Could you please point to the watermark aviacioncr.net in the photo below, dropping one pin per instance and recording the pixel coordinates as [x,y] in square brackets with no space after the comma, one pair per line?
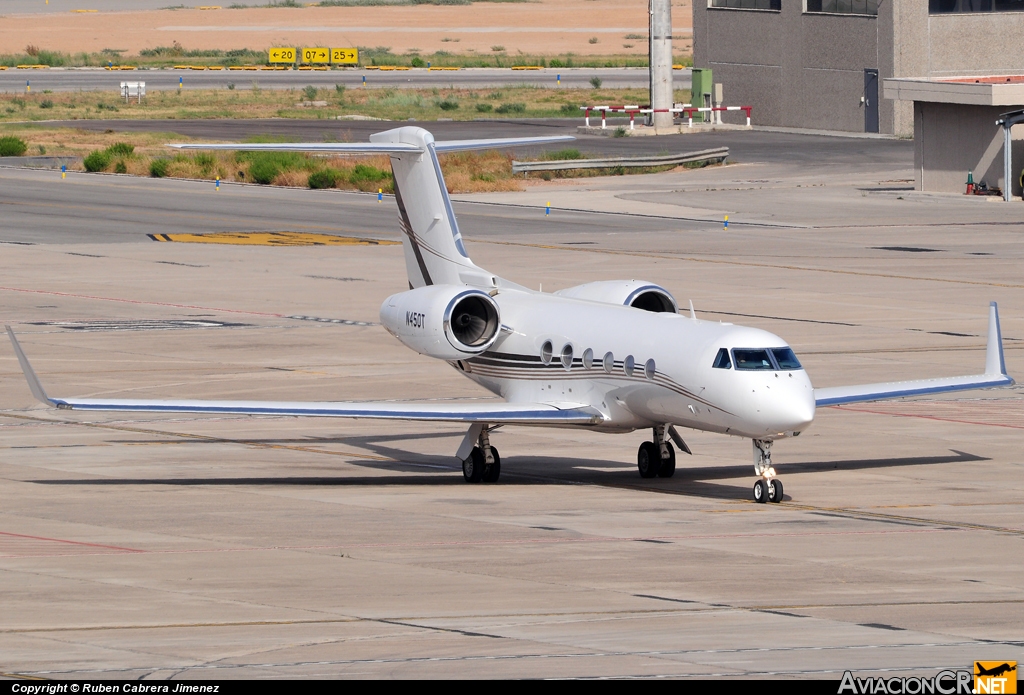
[988,678]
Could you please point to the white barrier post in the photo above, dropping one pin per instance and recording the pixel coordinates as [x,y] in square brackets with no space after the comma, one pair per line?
[604,115]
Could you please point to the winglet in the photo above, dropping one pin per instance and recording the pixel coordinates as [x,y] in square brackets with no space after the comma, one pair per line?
[30,374]
[994,361]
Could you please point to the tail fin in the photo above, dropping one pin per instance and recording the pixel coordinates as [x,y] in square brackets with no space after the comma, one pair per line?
[434,252]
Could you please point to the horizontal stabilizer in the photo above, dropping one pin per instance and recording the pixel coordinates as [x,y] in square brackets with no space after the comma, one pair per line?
[373,147]
[995,375]
[498,143]
[322,147]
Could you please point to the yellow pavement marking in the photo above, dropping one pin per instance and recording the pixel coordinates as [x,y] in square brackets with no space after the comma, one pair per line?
[273,239]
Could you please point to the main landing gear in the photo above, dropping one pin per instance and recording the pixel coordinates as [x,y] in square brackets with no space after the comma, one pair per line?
[768,488]
[657,458]
[483,463]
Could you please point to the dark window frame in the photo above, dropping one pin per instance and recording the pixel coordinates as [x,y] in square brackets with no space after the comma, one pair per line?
[820,7]
[970,7]
[774,5]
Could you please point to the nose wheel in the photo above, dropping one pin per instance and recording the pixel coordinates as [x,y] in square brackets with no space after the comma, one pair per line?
[768,488]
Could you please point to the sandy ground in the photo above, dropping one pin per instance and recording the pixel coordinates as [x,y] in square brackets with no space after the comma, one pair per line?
[546,27]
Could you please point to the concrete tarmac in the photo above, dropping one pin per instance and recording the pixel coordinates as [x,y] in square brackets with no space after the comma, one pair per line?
[160,79]
[152,546]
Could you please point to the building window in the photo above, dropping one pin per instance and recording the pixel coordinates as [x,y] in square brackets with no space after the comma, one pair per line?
[964,6]
[868,7]
[746,4]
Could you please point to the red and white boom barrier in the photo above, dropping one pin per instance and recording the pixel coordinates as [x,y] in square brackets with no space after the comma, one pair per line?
[687,111]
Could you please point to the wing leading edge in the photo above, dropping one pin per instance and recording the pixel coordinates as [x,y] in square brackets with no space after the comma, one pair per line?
[995,375]
[492,413]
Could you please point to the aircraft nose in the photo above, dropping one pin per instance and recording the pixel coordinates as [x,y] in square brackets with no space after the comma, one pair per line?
[801,410]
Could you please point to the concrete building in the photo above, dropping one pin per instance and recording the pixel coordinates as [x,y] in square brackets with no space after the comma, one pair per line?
[819,63]
[955,130]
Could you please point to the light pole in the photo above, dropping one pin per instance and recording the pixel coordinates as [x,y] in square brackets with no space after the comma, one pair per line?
[660,61]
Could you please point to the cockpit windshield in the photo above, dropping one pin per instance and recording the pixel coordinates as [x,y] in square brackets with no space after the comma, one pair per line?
[758,359]
[752,359]
[785,358]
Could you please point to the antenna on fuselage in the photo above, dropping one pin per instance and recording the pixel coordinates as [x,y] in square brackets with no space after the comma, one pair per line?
[693,314]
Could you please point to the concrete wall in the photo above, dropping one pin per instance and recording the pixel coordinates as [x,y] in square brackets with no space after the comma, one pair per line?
[807,70]
[952,139]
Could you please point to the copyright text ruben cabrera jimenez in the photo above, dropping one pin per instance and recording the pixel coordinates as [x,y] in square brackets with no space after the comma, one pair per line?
[110,689]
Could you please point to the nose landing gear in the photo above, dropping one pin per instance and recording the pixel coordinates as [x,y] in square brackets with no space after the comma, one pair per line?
[768,488]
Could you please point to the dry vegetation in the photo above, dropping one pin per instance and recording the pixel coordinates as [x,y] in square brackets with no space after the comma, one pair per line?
[247,100]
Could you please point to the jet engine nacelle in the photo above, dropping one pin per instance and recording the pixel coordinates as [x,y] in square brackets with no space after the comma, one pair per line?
[634,293]
[448,322]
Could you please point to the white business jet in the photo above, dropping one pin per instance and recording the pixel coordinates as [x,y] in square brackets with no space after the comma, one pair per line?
[613,356]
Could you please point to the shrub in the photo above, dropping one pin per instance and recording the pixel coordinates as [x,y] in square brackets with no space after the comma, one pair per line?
[97,160]
[121,149]
[158,168]
[11,146]
[309,92]
[620,132]
[264,171]
[516,107]
[231,85]
[417,62]
[46,104]
[340,89]
[367,173]
[205,161]
[592,40]
[570,108]
[448,104]
[595,82]
[484,108]
[121,167]
[325,178]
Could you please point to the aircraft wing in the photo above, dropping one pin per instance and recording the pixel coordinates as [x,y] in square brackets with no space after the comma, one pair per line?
[995,375]
[489,412]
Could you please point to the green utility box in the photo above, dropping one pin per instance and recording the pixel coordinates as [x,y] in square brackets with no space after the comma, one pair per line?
[700,92]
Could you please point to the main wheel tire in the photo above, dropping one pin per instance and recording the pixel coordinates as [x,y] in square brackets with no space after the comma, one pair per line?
[668,466]
[760,492]
[493,471]
[775,490]
[473,467]
[648,460]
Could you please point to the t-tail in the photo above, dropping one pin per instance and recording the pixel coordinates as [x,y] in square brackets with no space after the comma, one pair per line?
[434,251]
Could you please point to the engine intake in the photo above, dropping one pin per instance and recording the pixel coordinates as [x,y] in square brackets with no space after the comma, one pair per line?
[444,321]
[638,294]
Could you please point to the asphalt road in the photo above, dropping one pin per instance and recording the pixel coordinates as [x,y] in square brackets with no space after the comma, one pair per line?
[113,209]
[744,146]
[90,79]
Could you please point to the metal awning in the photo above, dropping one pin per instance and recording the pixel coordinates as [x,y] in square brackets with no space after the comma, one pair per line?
[1008,120]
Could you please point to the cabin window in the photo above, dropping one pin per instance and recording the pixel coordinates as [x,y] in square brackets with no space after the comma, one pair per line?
[588,358]
[628,364]
[722,360]
[608,362]
[650,369]
[752,359]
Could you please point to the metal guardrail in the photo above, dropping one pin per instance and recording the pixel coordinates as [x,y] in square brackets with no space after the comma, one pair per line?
[717,154]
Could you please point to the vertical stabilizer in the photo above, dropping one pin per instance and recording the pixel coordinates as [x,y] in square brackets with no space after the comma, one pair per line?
[434,252]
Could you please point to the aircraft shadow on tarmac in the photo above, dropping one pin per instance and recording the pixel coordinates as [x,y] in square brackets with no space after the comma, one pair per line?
[698,481]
